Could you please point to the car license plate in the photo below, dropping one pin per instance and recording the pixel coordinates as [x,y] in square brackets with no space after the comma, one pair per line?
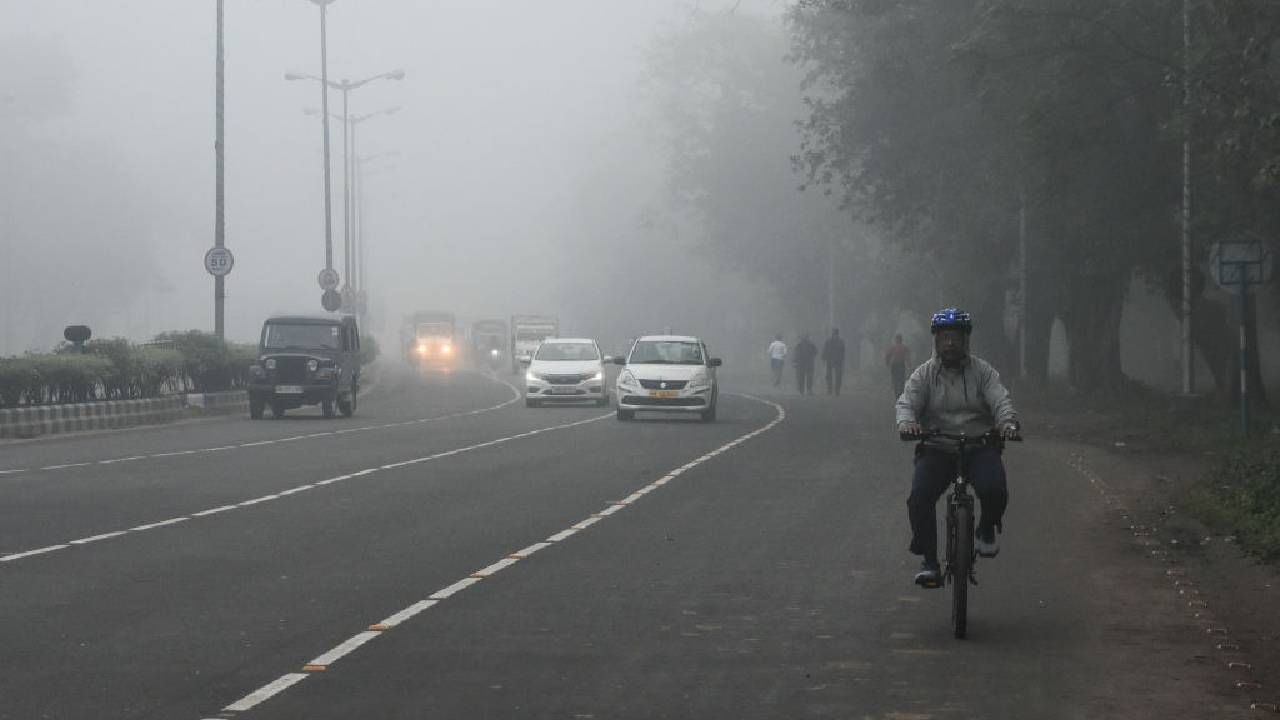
[288,389]
[663,393]
[563,390]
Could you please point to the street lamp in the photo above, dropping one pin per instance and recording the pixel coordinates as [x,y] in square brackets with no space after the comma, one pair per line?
[346,86]
[360,163]
[349,190]
[324,104]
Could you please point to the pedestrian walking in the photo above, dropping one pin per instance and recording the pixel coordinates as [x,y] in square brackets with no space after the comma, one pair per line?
[777,358]
[805,356]
[897,357]
[833,357]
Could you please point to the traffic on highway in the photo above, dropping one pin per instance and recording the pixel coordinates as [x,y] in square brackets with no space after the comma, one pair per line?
[663,359]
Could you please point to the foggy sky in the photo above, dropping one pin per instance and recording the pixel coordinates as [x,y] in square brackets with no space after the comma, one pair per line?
[514,114]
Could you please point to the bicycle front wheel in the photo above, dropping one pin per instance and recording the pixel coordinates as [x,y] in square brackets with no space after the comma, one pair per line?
[962,567]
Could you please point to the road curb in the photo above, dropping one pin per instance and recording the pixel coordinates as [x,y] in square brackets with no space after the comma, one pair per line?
[29,422]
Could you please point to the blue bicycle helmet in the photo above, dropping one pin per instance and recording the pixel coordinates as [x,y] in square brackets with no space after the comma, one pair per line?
[951,318]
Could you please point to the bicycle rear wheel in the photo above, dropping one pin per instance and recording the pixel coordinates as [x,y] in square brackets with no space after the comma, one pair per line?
[961,568]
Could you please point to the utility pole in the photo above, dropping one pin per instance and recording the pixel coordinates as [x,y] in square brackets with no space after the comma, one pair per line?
[220,194]
[324,117]
[1022,283]
[1188,356]
[346,182]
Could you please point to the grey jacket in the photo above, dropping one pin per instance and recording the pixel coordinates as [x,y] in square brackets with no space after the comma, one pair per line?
[971,400]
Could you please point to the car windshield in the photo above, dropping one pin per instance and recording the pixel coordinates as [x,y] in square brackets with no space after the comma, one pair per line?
[434,329]
[280,336]
[666,352]
[567,351]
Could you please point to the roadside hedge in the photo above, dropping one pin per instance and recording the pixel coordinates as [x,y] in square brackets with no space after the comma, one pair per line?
[115,369]
[1242,496]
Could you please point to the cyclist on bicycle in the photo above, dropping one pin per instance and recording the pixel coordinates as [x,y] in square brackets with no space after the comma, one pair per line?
[955,392]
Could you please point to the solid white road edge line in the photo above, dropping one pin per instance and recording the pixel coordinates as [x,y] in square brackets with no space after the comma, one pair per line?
[404,615]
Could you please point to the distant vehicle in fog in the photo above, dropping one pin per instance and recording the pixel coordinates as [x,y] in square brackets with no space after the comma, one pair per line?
[429,339]
[669,373]
[527,333]
[489,343]
[566,370]
[304,360]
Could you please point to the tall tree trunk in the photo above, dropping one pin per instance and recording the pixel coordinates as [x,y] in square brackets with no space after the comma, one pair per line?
[1092,322]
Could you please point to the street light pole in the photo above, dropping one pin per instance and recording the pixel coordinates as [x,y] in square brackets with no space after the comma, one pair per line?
[219,202]
[353,224]
[1188,356]
[346,181]
[346,86]
[324,116]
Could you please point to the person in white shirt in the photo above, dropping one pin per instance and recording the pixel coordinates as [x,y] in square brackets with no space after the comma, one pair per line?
[777,358]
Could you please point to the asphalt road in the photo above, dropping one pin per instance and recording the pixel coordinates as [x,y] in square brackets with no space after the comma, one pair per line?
[449,553]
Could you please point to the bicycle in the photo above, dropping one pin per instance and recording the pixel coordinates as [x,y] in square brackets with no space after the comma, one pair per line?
[961,553]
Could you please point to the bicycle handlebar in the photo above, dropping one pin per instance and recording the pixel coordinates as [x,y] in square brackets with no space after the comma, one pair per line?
[939,435]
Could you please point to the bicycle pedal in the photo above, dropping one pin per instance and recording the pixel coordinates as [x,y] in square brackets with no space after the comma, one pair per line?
[930,584]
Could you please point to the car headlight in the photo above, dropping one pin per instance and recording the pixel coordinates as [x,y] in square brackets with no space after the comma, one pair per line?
[627,378]
[699,379]
[597,377]
[493,353]
[532,377]
[313,365]
[270,364]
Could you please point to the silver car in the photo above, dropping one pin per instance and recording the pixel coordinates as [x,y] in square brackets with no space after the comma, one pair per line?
[668,373]
[565,370]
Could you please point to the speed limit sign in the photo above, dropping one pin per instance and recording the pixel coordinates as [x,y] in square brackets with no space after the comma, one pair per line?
[328,279]
[218,261]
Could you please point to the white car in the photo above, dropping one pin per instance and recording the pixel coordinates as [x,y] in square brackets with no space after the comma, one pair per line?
[668,373]
[565,370]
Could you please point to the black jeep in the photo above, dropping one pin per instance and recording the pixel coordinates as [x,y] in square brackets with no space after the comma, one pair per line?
[305,360]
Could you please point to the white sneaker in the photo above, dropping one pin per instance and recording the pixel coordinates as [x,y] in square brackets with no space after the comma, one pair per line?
[986,543]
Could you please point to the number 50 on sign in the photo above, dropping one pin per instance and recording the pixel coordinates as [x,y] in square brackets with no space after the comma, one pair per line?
[218,261]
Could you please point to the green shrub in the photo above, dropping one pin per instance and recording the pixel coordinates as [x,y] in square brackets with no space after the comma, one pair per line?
[1243,496]
[158,371]
[205,360]
[19,381]
[118,383]
[70,378]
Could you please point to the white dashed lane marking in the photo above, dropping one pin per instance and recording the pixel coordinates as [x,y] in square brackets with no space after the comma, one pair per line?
[323,662]
[515,395]
[285,493]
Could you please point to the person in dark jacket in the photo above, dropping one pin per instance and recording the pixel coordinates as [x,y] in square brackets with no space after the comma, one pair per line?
[833,357]
[806,353]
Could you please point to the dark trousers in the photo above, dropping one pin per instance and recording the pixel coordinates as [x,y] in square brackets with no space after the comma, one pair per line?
[804,379]
[776,366]
[898,376]
[934,472]
[835,378]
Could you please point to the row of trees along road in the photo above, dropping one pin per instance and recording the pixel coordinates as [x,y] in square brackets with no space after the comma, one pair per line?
[939,120]
[932,127]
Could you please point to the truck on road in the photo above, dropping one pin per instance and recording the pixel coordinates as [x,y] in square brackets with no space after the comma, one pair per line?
[527,333]
[429,339]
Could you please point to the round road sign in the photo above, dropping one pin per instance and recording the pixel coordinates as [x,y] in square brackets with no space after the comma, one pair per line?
[331,300]
[328,279]
[218,261]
